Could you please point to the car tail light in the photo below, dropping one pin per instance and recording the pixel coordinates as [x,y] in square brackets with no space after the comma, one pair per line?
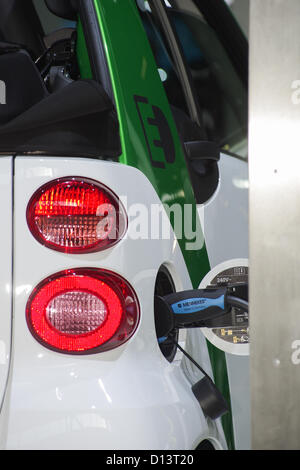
[76,215]
[83,311]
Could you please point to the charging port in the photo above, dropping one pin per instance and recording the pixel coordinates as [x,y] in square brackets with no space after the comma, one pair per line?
[164,286]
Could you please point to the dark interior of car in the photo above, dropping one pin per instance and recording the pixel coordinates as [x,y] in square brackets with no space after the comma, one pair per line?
[50,109]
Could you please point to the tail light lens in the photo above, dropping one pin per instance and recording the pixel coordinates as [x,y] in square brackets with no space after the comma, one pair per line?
[83,311]
[76,215]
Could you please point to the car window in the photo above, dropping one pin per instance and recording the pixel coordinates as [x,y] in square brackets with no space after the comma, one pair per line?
[49,21]
[221,94]
[163,57]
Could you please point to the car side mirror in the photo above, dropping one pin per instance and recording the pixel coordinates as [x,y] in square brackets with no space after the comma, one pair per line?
[201,150]
[202,158]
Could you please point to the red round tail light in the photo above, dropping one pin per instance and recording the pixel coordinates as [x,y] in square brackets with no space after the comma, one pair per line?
[76,215]
[83,311]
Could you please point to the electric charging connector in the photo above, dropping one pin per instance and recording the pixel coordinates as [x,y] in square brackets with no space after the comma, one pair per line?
[195,308]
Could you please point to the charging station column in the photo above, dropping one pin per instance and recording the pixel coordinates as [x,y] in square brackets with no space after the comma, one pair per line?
[275,223]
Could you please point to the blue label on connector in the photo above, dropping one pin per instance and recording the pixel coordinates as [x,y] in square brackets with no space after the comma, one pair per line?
[162,339]
[197,304]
